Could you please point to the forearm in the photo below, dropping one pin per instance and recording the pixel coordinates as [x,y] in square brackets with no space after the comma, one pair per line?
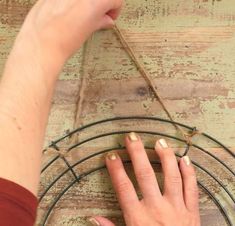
[51,33]
[26,90]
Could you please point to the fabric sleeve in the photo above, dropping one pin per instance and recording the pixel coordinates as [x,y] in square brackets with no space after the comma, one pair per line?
[18,206]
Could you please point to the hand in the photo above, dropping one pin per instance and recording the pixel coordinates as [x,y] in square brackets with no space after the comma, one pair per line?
[62,26]
[177,206]
[52,31]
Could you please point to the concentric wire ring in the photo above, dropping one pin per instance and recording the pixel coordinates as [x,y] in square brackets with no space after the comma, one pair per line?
[56,146]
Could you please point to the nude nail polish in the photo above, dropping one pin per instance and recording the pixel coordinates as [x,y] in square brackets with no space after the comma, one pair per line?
[187,160]
[132,136]
[112,156]
[93,222]
[163,143]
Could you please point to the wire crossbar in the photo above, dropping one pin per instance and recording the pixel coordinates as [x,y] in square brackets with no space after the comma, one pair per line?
[77,178]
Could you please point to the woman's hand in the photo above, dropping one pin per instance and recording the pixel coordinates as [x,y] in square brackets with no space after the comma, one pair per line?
[52,31]
[61,26]
[177,206]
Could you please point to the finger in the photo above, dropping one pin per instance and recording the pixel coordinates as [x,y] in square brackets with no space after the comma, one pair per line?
[172,177]
[189,184]
[115,12]
[112,12]
[124,188]
[111,7]
[115,9]
[143,170]
[106,23]
[100,221]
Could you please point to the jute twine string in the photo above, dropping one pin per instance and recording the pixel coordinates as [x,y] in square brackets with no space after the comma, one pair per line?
[187,136]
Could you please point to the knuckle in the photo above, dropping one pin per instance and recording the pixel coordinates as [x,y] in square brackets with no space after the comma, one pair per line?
[99,3]
[193,191]
[145,173]
[174,179]
[191,177]
[123,186]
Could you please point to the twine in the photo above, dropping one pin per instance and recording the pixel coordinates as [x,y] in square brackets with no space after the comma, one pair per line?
[140,66]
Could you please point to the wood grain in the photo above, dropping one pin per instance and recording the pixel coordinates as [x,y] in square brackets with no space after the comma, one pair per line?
[188,46]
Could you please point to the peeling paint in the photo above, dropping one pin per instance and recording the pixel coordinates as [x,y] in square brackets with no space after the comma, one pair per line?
[187,46]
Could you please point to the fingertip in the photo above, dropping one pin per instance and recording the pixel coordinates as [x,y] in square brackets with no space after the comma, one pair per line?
[112,160]
[132,140]
[163,150]
[186,165]
[186,160]
[112,156]
[161,144]
[132,137]
[93,221]
[100,221]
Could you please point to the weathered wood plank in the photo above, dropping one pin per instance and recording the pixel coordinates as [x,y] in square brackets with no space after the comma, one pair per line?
[188,46]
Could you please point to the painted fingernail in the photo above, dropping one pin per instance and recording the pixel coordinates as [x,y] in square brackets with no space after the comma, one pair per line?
[93,222]
[112,156]
[163,143]
[187,160]
[132,136]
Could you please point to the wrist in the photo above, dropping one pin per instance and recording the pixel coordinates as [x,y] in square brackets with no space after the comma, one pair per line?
[52,38]
[31,59]
[31,48]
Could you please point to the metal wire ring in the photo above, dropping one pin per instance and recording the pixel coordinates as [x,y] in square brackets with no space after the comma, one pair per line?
[55,144]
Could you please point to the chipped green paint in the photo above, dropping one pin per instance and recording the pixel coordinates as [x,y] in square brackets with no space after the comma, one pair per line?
[187,46]
[174,15]
[73,67]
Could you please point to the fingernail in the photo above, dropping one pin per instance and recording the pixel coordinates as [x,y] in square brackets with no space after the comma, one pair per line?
[163,143]
[93,221]
[112,156]
[132,136]
[187,160]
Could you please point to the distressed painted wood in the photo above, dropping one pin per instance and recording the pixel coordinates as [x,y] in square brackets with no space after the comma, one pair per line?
[188,46]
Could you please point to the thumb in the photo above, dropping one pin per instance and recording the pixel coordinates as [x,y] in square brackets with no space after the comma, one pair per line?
[100,221]
[106,22]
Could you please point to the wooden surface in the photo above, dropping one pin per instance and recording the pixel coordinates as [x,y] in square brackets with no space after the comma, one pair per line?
[188,46]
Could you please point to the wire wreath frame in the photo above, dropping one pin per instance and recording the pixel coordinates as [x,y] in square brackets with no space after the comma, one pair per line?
[187,134]
[62,153]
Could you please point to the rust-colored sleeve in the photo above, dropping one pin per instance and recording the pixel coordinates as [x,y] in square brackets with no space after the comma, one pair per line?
[18,206]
